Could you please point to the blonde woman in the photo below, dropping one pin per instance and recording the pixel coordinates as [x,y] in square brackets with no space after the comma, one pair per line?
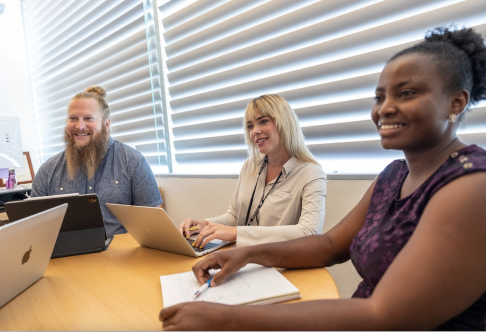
[281,187]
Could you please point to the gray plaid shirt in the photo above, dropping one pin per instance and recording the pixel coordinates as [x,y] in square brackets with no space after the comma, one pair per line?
[123,177]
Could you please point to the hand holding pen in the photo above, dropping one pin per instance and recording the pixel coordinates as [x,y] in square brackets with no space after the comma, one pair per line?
[203,288]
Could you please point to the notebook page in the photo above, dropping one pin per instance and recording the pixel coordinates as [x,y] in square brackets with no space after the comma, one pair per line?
[252,284]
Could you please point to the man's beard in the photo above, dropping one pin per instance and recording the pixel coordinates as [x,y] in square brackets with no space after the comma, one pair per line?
[88,157]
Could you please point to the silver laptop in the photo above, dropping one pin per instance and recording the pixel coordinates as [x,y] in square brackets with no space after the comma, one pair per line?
[151,227]
[26,246]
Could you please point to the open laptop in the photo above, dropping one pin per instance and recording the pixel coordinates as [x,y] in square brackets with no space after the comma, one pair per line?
[152,227]
[26,247]
[83,229]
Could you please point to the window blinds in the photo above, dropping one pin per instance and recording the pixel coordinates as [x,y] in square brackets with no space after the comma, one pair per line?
[324,57]
[76,44]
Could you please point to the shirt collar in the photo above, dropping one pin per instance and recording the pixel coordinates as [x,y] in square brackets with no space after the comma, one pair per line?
[111,141]
[289,166]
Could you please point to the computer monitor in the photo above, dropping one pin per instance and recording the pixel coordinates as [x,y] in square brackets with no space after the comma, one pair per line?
[11,154]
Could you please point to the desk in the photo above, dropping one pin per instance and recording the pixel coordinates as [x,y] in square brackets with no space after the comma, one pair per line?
[24,188]
[118,289]
[7,195]
[19,188]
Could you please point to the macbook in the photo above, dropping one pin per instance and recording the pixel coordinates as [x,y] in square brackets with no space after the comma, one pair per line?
[26,246]
[83,229]
[152,227]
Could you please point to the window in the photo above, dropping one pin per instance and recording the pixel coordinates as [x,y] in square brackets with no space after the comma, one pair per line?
[324,57]
[73,44]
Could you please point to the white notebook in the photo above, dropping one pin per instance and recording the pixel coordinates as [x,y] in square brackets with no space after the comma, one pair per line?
[253,284]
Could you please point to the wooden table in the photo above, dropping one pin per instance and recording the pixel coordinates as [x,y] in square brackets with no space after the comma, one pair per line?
[118,289]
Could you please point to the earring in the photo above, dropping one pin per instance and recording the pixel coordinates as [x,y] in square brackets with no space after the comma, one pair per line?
[452,118]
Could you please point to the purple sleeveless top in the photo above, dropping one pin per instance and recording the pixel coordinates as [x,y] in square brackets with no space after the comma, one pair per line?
[390,222]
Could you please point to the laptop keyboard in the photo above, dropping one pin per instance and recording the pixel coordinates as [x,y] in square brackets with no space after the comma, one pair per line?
[206,247]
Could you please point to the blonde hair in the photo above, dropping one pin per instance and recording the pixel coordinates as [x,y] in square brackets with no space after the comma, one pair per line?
[98,93]
[287,125]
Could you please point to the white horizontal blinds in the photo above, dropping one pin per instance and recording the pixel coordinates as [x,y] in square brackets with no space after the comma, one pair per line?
[324,57]
[76,44]
[162,151]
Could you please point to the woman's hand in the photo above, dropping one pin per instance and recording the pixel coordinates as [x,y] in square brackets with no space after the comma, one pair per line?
[215,231]
[229,261]
[184,227]
[196,316]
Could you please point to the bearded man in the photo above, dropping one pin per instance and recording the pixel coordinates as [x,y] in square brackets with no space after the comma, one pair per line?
[94,163]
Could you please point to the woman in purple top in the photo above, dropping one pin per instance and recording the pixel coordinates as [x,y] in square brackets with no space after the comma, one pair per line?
[417,237]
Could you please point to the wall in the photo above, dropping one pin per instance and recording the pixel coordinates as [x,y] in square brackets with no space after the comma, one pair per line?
[201,198]
[15,89]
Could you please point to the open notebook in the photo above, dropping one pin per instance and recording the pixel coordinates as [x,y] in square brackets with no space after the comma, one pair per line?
[253,284]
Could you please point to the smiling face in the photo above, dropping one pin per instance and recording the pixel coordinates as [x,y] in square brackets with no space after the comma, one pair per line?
[412,106]
[264,134]
[85,120]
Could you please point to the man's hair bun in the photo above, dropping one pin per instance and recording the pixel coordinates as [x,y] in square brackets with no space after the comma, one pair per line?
[98,90]
[98,93]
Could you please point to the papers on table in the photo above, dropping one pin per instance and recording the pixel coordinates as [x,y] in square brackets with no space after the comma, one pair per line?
[253,284]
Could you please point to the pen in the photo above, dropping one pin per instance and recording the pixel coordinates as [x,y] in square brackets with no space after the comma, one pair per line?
[203,288]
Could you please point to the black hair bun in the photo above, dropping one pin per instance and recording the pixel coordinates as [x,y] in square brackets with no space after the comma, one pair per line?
[472,44]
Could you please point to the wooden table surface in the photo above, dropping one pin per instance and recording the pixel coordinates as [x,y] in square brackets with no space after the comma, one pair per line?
[118,289]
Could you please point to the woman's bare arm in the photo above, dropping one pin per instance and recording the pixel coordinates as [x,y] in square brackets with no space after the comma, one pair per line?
[438,274]
[310,251]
